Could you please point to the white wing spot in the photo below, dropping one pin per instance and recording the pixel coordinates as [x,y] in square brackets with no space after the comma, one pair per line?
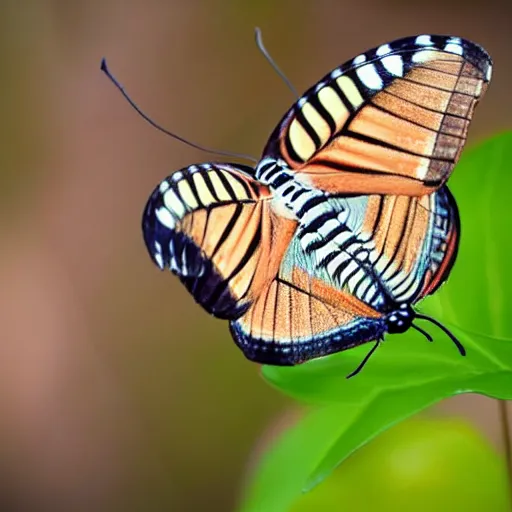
[319,86]
[369,76]
[454,48]
[164,186]
[159,260]
[174,203]
[336,73]
[359,59]
[165,218]
[394,65]
[383,50]
[424,40]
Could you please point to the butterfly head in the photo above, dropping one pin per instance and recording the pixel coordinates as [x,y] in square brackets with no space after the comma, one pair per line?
[400,319]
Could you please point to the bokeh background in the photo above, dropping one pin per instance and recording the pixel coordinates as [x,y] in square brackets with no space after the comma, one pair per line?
[116,391]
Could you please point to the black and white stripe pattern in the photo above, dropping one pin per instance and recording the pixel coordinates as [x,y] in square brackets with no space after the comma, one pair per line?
[378,67]
[442,226]
[332,246]
[298,198]
[187,190]
[340,251]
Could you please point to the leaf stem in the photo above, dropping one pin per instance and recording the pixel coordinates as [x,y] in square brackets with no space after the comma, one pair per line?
[505,430]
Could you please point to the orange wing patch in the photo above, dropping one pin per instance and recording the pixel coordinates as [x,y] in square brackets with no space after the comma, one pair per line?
[414,130]
[303,308]
[245,242]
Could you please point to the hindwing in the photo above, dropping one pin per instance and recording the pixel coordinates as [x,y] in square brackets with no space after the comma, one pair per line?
[346,272]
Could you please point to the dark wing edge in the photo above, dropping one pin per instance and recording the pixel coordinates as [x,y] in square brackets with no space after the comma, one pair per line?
[300,317]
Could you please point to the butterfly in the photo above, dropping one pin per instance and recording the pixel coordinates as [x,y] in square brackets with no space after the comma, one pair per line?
[345,222]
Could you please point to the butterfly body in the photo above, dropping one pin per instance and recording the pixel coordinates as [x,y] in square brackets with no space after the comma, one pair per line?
[346,221]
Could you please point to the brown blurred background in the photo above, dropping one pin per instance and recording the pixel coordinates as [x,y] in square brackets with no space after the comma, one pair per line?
[116,391]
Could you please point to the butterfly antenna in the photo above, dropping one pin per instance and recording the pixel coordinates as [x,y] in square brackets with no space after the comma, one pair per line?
[425,333]
[270,60]
[458,344]
[365,360]
[144,116]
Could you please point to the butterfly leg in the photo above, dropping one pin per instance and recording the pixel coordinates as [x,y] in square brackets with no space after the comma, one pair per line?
[367,357]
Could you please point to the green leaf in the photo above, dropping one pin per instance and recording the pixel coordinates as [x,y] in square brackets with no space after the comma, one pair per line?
[407,374]
[422,464]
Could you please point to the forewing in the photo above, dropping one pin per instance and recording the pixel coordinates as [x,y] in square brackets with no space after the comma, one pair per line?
[391,121]
[213,226]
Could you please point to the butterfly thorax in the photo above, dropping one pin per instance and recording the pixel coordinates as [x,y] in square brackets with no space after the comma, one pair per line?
[289,192]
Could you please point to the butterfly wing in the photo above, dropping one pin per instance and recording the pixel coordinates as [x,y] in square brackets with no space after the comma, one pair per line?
[412,245]
[391,121]
[345,271]
[302,315]
[445,242]
[214,227]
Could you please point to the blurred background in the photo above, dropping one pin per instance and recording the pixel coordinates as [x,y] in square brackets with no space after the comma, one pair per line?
[117,392]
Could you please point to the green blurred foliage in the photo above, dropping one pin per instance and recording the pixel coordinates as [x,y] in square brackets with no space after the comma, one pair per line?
[422,464]
[444,465]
